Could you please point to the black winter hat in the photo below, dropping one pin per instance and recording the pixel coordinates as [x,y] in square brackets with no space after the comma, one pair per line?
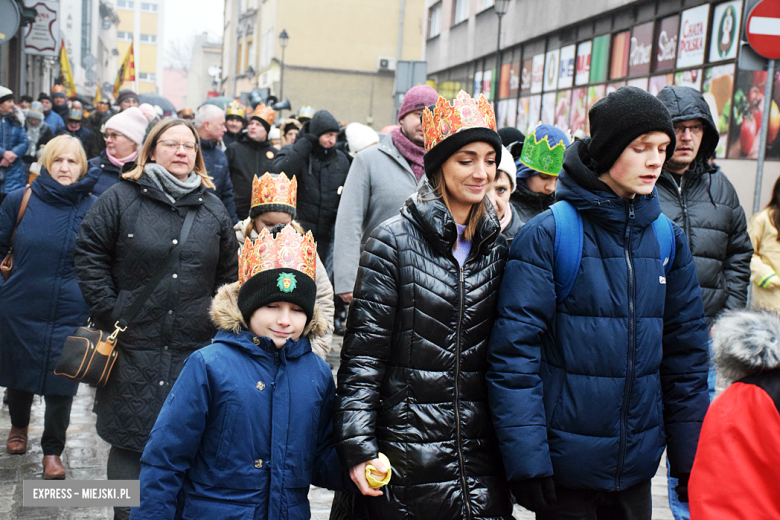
[436,156]
[267,208]
[44,95]
[322,123]
[621,117]
[510,134]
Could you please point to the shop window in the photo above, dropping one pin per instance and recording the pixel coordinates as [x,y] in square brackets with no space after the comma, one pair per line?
[460,11]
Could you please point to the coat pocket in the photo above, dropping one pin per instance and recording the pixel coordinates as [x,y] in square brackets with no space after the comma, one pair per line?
[395,399]
[196,508]
[226,438]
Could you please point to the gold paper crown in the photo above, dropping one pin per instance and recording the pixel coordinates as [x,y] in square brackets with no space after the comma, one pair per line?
[265,113]
[58,89]
[234,108]
[306,111]
[274,189]
[446,120]
[289,250]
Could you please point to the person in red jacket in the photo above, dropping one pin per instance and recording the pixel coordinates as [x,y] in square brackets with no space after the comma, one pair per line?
[737,467]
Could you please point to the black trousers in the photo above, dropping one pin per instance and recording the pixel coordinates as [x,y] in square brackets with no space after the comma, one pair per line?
[55,422]
[123,465]
[634,503]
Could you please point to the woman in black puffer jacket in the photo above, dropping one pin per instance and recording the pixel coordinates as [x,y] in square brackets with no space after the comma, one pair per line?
[123,239]
[412,378]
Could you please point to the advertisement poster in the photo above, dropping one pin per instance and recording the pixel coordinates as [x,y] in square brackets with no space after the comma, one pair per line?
[566,70]
[599,59]
[641,49]
[551,70]
[503,85]
[477,84]
[621,44]
[563,109]
[595,93]
[717,88]
[41,36]
[657,83]
[525,76]
[528,112]
[612,87]
[666,43]
[549,101]
[746,109]
[514,79]
[501,113]
[688,78]
[638,83]
[693,36]
[487,84]
[724,40]
[510,114]
[537,74]
[522,114]
[579,112]
[582,75]
[773,137]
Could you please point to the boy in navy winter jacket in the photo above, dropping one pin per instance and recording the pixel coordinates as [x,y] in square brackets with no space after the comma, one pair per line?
[247,427]
[587,392]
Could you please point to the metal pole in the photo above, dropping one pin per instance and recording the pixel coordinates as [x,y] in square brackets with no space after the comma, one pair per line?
[281,80]
[238,55]
[770,76]
[497,77]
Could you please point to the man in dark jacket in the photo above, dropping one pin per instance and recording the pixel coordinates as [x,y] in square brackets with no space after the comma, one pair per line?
[60,101]
[251,155]
[321,171]
[235,120]
[74,128]
[210,123]
[52,118]
[702,201]
[587,390]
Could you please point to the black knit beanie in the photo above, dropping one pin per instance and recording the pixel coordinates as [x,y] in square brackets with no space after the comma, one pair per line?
[254,211]
[263,122]
[322,123]
[436,156]
[621,117]
[510,134]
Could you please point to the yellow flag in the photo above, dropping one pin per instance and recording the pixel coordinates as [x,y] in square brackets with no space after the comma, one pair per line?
[126,70]
[98,97]
[67,73]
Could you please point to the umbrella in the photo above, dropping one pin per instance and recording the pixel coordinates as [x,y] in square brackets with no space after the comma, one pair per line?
[221,102]
[156,99]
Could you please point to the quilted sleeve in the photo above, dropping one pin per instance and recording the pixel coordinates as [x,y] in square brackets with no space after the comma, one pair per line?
[526,305]
[366,349]
[349,224]
[736,266]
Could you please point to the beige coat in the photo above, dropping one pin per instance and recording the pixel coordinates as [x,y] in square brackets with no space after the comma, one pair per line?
[765,264]
[320,343]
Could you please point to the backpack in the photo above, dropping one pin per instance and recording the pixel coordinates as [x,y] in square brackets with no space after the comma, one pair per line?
[568,246]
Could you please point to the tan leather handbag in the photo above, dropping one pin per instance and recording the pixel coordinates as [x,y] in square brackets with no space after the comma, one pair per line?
[7,265]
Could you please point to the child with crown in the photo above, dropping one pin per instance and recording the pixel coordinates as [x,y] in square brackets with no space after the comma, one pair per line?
[247,426]
[274,201]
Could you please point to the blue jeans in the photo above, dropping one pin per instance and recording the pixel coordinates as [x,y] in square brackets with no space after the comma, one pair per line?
[680,509]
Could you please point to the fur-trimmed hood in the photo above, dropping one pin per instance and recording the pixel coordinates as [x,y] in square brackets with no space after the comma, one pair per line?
[226,315]
[746,342]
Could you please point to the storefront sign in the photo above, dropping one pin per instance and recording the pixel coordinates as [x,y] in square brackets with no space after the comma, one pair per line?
[693,36]
[551,70]
[666,43]
[724,41]
[566,69]
[621,43]
[40,37]
[641,49]
[583,63]
[599,59]
[537,74]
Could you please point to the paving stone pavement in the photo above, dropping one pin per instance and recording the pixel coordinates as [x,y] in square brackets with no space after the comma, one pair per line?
[86,454]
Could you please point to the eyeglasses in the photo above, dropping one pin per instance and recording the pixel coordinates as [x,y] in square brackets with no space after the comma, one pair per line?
[173,146]
[112,135]
[696,129]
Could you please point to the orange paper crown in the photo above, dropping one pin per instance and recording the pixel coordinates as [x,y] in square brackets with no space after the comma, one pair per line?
[58,89]
[289,250]
[265,113]
[446,120]
[274,189]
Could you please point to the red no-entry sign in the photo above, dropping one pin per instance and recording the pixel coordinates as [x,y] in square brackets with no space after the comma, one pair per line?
[763,29]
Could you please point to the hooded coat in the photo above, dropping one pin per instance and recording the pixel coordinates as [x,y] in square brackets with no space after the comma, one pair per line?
[737,467]
[123,239]
[529,203]
[412,378]
[41,303]
[247,158]
[707,208]
[224,436]
[13,137]
[591,390]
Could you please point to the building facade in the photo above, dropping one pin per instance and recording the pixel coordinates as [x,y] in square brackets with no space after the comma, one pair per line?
[141,23]
[558,57]
[340,56]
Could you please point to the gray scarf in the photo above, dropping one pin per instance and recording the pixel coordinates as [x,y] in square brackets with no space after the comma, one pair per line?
[173,188]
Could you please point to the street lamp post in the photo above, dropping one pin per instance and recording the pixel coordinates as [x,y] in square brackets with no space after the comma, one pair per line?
[284,38]
[500,7]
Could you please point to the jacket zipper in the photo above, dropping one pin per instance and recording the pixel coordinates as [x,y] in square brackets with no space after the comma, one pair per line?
[631,346]
[457,400]
[684,206]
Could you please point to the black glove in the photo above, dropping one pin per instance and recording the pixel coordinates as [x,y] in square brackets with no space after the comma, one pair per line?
[682,486]
[313,139]
[534,494]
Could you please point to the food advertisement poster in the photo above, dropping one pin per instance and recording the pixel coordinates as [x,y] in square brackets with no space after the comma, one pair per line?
[525,75]
[549,101]
[612,87]
[510,114]
[693,36]
[503,85]
[514,79]
[641,49]
[773,137]
[582,74]
[621,44]
[579,112]
[537,74]
[599,59]
[551,70]
[747,117]
[477,84]
[487,84]
[666,43]
[724,40]
[717,89]
[638,83]
[595,93]
[528,112]
[688,78]
[563,109]
[657,83]
[566,69]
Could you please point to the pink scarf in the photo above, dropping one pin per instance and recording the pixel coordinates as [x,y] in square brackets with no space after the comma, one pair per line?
[121,162]
[411,152]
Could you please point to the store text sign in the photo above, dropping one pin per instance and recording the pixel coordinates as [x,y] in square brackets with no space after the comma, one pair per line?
[641,49]
[693,36]
[583,63]
[41,36]
[666,43]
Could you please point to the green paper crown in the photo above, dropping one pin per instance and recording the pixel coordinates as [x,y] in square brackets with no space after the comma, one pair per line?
[541,157]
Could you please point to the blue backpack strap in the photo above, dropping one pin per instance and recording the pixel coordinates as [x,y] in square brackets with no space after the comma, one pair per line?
[567,249]
[664,232]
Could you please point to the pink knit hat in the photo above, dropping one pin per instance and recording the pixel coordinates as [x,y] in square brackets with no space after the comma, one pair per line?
[131,123]
[417,98]
[148,111]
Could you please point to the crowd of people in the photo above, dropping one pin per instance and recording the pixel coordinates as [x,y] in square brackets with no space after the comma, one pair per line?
[531,320]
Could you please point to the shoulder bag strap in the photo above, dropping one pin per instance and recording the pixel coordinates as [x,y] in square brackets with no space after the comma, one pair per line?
[22,209]
[567,252]
[131,312]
